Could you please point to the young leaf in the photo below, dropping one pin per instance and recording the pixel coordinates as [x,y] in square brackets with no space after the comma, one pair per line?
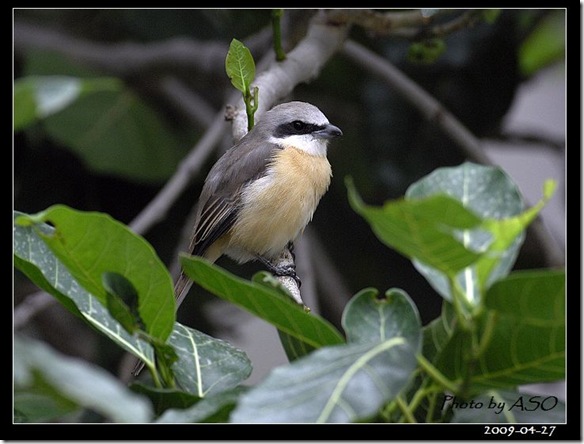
[83,384]
[369,317]
[89,244]
[240,66]
[423,229]
[265,302]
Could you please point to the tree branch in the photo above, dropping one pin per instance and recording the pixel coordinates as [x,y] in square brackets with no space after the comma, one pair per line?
[405,24]
[430,108]
[433,111]
[302,64]
[123,59]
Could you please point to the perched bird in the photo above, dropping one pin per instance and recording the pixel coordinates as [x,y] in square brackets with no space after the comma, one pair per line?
[263,191]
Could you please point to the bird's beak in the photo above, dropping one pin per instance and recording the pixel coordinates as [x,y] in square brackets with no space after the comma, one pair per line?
[328,132]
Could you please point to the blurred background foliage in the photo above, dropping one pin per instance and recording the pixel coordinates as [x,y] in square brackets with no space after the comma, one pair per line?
[113,130]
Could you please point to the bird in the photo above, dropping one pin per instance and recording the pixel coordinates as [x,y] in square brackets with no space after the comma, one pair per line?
[260,195]
[262,192]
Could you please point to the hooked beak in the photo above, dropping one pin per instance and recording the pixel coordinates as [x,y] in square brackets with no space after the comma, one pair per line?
[328,132]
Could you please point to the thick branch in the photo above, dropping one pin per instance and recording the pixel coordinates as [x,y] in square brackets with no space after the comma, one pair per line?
[302,64]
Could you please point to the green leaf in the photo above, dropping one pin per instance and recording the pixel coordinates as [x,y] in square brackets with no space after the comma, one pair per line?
[42,403]
[89,244]
[206,365]
[293,347]
[505,233]
[426,51]
[438,333]
[214,408]
[369,317]
[490,194]
[73,379]
[340,383]
[528,343]
[491,15]
[34,258]
[344,383]
[114,132]
[500,407]
[545,45]
[240,66]
[118,291]
[37,97]
[267,303]
[525,333]
[425,229]
[165,398]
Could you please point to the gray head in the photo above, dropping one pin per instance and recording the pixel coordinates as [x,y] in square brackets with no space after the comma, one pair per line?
[298,124]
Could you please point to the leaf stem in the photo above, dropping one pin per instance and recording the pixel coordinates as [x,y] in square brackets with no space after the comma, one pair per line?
[458,299]
[277,30]
[409,417]
[436,375]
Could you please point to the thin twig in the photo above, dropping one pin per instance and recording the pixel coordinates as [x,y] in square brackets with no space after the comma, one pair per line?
[188,101]
[30,307]
[433,111]
[156,209]
[430,108]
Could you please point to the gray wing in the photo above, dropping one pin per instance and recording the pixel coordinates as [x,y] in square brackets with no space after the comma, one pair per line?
[220,197]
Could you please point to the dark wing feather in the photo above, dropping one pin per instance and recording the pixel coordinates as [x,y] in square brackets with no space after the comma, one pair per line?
[215,219]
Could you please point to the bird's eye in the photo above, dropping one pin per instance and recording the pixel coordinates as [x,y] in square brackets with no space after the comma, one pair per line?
[298,125]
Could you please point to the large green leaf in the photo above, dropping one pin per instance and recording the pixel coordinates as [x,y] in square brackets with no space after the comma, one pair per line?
[423,229]
[525,333]
[528,343]
[215,408]
[114,132]
[90,244]
[41,370]
[206,365]
[34,258]
[490,194]
[37,97]
[266,302]
[347,382]
[340,383]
